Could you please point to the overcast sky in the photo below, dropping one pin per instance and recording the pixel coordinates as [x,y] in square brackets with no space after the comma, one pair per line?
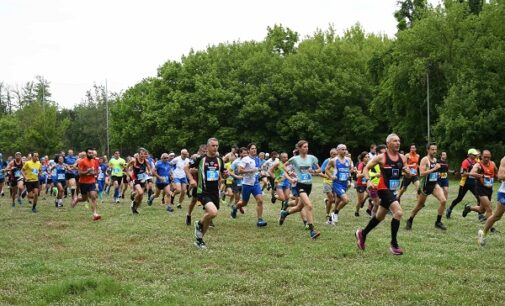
[75,44]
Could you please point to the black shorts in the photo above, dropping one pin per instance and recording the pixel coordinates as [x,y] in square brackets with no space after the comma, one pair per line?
[407,180]
[2,180]
[118,179]
[194,192]
[14,181]
[360,189]
[87,188]
[303,188]
[235,188]
[206,198]
[387,197]
[426,189]
[482,191]
[142,184]
[31,185]
[69,175]
[125,178]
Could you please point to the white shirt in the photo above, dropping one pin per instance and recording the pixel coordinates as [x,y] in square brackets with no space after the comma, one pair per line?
[248,163]
[179,166]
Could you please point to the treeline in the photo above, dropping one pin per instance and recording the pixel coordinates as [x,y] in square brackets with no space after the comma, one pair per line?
[353,88]
[31,121]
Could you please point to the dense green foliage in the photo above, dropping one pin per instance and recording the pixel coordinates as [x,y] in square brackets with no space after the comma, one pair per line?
[352,88]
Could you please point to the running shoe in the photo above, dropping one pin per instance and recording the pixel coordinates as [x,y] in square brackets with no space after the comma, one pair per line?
[188,220]
[179,206]
[283,216]
[396,250]
[273,199]
[360,240]
[96,217]
[334,217]
[233,213]
[466,210]
[329,221]
[134,209]
[408,225]
[198,230]
[448,213]
[169,208]
[150,201]
[314,234]
[261,223]
[480,238]
[200,244]
[356,214]
[440,226]
[482,218]
[20,201]
[34,210]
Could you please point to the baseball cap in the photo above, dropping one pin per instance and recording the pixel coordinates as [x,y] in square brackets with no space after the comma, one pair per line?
[473,152]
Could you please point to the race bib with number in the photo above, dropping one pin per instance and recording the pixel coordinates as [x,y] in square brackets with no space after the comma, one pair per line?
[101,176]
[35,171]
[212,175]
[142,177]
[17,173]
[433,177]
[413,171]
[363,180]
[305,177]
[488,181]
[443,175]
[342,176]
[115,170]
[61,176]
[394,184]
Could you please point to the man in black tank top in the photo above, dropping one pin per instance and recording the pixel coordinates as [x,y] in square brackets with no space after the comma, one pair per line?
[392,166]
[141,169]
[428,169]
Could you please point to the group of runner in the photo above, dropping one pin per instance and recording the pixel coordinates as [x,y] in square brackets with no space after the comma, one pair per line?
[382,176]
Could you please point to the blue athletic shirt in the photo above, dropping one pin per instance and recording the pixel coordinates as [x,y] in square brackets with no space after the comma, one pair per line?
[163,169]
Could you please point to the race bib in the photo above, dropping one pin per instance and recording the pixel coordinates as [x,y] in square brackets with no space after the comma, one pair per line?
[363,180]
[488,181]
[101,176]
[443,175]
[115,170]
[239,183]
[35,171]
[142,177]
[305,177]
[342,176]
[394,184]
[433,177]
[17,173]
[212,175]
[413,171]
[61,176]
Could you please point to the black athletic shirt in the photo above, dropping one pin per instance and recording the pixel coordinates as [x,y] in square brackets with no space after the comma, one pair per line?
[210,169]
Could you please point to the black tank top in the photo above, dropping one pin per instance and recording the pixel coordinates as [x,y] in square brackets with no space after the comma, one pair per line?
[139,169]
[391,173]
[16,171]
[432,178]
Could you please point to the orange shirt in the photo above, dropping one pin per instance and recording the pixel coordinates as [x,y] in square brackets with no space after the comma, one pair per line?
[83,165]
[413,161]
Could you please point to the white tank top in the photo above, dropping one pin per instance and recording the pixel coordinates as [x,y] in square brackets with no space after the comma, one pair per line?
[502,187]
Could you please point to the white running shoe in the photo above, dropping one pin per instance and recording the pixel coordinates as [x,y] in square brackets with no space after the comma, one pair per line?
[481,238]
[334,217]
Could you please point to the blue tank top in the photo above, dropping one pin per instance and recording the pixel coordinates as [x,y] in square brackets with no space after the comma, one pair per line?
[342,170]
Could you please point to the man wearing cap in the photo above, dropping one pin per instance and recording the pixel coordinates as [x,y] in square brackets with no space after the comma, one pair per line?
[467,182]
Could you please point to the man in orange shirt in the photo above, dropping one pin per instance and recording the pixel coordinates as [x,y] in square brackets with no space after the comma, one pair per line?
[88,171]
[413,165]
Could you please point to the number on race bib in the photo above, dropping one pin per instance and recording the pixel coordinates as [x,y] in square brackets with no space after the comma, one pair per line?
[142,177]
[443,175]
[413,171]
[342,176]
[305,177]
[433,177]
[61,176]
[488,181]
[212,175]
[394,184]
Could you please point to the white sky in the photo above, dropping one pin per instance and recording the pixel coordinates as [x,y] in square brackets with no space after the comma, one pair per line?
[74,44]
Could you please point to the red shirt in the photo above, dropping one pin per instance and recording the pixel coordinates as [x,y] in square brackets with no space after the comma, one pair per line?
[83,165]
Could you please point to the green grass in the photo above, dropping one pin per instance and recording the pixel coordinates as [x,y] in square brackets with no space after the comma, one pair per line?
[62,257]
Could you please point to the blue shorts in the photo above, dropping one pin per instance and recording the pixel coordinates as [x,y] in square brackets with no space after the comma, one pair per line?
[101,185]
[443,182]
[284,185]
[183,180]
[161,185]
[294,191]
[501,197]
[247,190]
[339,188]
[42,180]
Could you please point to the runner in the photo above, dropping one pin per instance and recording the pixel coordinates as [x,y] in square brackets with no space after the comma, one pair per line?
[265,170]
[485,172]
[303,166]
[202,151]
[43,177]
[162,170]
[139,169]
[227,187]
[374,173]
[467,182]
[281,183]
[342,170]
[3,165]
[249,167]
[443,180]
[72,173]
[361,182]
[180,179]
[500,206]
[117,165]
[429,171]
[88,170]
[210,171]
[413,164]
[392,166]
[101,179]
[31,171]
[58,171]
[327,182]
[16,178]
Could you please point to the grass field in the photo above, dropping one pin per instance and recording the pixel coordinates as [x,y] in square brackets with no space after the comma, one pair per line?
[62,257]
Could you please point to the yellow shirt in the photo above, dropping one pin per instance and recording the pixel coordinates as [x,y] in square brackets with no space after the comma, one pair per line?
[229,179]
[31,171]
